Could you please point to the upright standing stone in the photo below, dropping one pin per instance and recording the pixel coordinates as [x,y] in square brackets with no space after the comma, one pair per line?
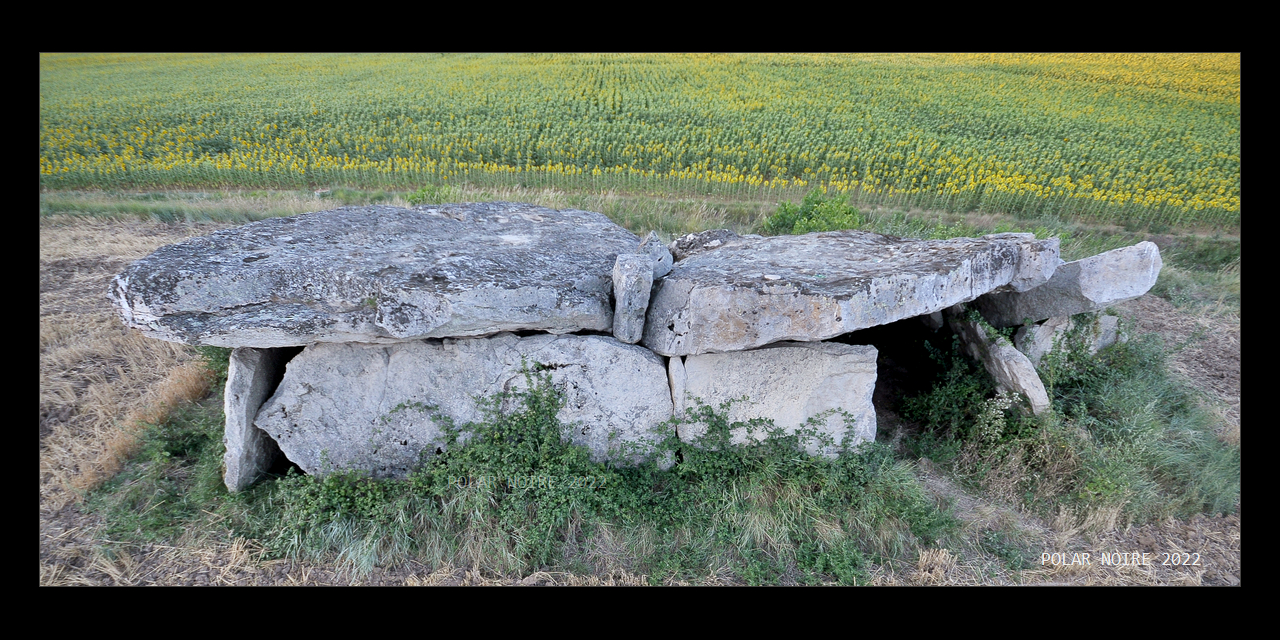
[382,408]
[933,320]
[788,383]
[676,378]
[251,377]
[1010,368]
[632,282]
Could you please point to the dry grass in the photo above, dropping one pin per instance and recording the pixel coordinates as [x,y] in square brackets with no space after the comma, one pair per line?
[1068,524]
[183,205]
[79,464]
[98,380]
[1215,539]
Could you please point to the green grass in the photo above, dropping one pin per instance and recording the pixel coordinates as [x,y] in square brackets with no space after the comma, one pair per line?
[177,474]
[765,513]
[1123,433]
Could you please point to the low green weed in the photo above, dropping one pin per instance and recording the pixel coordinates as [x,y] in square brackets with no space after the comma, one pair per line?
[177,473]
[218,361]
[432,194]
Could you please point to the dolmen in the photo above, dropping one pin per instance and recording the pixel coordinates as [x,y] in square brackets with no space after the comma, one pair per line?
[362,335]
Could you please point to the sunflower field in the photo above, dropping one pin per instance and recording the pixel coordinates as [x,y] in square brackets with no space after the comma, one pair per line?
[1112,137]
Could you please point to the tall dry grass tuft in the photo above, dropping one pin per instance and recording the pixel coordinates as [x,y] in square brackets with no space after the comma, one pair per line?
[1068,523]
[935,567]
[98,380]
[185,384]
[76,465]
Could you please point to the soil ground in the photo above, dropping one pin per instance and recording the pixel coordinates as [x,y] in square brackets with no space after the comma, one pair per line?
[92,371]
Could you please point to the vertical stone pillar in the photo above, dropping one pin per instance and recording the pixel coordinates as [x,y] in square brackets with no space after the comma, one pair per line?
[632,283]
[251,378]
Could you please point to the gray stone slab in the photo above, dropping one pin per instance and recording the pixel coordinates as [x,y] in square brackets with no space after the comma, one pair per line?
[676,378]
[744,293]
[1096,331]
[380,408]
[1082,286]
[788,383]
[632,284]
[251,377]
[1011,369]
[380,274]
[662,258]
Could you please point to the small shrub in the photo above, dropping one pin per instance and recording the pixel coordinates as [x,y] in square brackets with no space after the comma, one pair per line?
[951,408]
[218,361]
[815,213]
[431,194]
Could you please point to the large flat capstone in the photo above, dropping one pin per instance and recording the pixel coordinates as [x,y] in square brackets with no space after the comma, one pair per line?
[380,274]
[1081,286]
[379,408]
[787,383]
[738,293]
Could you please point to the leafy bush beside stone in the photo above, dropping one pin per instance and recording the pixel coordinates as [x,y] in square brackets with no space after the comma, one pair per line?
[814,213]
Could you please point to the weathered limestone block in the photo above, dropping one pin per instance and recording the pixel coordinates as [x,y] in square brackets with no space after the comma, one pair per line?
[788,383]
[1098,331]
[1085,285]
[1036,264]
[632,283]
[1011,369]
[748,292]
[380,274]
[693,243]
[251,377]
[677,379]
[662,258]
[933,320]
[379,408]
